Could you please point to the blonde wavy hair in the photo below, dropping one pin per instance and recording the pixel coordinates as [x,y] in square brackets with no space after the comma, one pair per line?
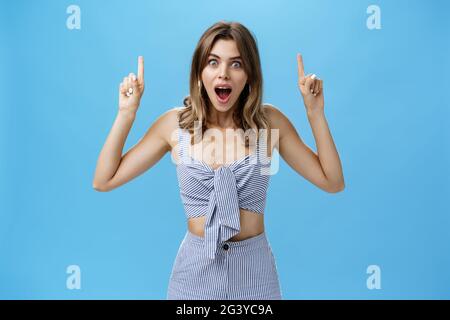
[249,113]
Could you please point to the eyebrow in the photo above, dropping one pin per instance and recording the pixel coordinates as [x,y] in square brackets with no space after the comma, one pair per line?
[232,58]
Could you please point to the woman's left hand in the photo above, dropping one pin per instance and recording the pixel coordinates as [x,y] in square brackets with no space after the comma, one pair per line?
[311,88]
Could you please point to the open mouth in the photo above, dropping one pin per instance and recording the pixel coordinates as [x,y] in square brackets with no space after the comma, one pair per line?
[223,94]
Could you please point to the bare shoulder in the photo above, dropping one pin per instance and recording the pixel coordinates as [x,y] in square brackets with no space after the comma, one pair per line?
[167,124]
[280,122]
[276,118]
[170,118]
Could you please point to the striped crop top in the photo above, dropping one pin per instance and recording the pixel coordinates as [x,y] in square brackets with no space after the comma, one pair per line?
[219,193]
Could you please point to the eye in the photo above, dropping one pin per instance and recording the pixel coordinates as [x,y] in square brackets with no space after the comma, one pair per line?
[212,62]
[236,64]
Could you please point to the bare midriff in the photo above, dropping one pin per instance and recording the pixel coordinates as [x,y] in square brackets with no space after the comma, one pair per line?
[252,224]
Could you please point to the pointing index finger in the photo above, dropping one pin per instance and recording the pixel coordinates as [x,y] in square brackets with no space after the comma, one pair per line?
[301,70]
[141,69]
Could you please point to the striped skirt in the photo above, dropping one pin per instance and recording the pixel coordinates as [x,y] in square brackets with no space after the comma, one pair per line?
[242,270]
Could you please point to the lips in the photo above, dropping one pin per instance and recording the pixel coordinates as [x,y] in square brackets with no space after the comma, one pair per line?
[223,92]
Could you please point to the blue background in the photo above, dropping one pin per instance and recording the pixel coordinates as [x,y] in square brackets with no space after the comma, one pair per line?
[385,101]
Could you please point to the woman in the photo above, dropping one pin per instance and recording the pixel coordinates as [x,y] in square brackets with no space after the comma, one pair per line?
[225,253]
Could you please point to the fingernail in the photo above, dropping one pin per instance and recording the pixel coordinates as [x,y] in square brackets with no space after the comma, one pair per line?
[133,77]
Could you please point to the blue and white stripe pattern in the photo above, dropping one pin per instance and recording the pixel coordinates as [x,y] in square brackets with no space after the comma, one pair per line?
[219,193]
[242,270]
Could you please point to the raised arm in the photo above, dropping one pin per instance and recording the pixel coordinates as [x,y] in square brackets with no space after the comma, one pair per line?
[113,169]
[324,167]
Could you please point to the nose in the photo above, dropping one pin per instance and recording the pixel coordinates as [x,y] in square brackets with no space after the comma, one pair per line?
[223,72]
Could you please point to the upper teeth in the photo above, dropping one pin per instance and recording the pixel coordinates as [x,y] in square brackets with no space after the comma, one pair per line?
[223,87]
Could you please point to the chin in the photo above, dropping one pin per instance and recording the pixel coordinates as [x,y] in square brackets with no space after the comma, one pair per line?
[223,107]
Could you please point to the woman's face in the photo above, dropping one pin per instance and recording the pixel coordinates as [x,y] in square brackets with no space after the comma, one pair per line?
[224,77]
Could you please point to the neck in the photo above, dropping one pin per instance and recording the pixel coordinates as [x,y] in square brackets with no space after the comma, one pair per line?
[222,120]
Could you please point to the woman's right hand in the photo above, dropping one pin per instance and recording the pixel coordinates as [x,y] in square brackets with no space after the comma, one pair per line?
[130,101]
